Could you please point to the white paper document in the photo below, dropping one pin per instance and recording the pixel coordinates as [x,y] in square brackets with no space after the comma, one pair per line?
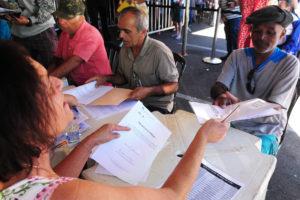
[130,156]
[5,11]
[249,109]
[101,170]
[87,93]
[213,184]
[100,112]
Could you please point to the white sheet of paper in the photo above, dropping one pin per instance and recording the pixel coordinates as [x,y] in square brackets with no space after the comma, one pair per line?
[9,11]
[87,93]
[212,183]
[101,170]
[100,112]
[249,109]
[130,156]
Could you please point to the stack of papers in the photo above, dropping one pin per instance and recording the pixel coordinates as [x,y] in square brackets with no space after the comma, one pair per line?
[212,183]
[130,157]
[89,95]
[249,109]
[101,112]
[103,101]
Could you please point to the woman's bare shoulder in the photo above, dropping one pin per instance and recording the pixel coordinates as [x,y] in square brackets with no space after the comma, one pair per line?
[83,189]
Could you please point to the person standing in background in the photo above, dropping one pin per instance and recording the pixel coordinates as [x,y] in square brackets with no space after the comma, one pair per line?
[4,30]
[94,7]
[177,14]
[34,29]
[231,24]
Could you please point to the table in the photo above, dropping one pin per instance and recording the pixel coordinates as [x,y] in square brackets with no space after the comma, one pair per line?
[238,155]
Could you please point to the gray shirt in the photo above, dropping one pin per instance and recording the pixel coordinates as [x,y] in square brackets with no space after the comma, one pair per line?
[275,81]
[40,14]
[152,67]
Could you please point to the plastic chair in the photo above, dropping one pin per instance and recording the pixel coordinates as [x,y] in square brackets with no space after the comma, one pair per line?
[181,66]
[112,50]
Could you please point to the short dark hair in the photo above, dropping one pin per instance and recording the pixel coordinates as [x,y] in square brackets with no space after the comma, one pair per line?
[25,107]
[140,16]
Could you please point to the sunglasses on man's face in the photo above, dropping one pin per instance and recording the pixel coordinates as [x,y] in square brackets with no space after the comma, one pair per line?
[250,83]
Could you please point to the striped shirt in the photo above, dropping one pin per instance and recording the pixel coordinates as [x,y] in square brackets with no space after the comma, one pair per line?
[223,5]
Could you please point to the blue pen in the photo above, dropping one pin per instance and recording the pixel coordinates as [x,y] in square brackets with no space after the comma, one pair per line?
[76,110]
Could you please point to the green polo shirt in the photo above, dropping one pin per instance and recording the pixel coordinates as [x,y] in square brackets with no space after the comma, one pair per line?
[154,66]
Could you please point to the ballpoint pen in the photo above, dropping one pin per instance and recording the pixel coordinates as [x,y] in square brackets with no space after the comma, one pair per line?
[76,110]
[230,113]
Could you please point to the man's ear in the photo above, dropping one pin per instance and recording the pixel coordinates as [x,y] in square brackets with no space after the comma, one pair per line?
[144,31]
[282,35]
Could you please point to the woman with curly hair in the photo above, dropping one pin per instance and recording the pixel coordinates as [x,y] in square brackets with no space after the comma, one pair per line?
[34,112]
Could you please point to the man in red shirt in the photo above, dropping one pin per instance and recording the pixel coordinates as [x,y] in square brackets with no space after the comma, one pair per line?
[80,52]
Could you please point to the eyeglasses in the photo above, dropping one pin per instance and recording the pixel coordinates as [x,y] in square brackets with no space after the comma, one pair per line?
[136,79]
[251,84]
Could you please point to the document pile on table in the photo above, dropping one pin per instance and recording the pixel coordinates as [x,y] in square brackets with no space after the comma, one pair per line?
[212,183]
[249,109]
[130,157]
[102,101]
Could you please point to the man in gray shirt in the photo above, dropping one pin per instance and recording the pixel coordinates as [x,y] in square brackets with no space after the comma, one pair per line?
[263,72]
[145,65]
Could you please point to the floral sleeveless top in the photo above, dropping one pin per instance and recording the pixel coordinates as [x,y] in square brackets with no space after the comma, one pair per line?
[36,187]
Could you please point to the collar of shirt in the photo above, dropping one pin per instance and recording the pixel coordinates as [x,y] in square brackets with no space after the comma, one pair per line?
[78,32]
[277,55]
[143,50]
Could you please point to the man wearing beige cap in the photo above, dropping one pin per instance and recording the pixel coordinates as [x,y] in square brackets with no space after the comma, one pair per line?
[264,72]
[80,52]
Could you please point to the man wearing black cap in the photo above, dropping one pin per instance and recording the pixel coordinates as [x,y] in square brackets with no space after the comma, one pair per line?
[263,72]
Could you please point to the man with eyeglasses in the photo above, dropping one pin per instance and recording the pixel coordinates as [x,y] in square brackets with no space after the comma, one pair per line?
[146,65]
[264,72]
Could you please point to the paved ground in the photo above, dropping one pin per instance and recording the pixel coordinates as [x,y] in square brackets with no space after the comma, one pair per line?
[195,84]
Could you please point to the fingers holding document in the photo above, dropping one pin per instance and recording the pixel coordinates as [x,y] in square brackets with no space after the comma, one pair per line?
[71,100]
[226,99]
[99,78]
[213,130]
[106,133]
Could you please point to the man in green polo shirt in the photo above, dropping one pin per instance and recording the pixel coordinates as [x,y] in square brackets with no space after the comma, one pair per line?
[146,65]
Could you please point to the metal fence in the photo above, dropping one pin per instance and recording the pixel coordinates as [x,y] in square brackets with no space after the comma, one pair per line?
[159,12]
[159,15]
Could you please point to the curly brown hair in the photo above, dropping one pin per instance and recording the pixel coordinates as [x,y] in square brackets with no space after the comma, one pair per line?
[26,110]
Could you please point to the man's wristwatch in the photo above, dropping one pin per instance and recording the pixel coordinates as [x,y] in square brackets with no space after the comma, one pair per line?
[29,22]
